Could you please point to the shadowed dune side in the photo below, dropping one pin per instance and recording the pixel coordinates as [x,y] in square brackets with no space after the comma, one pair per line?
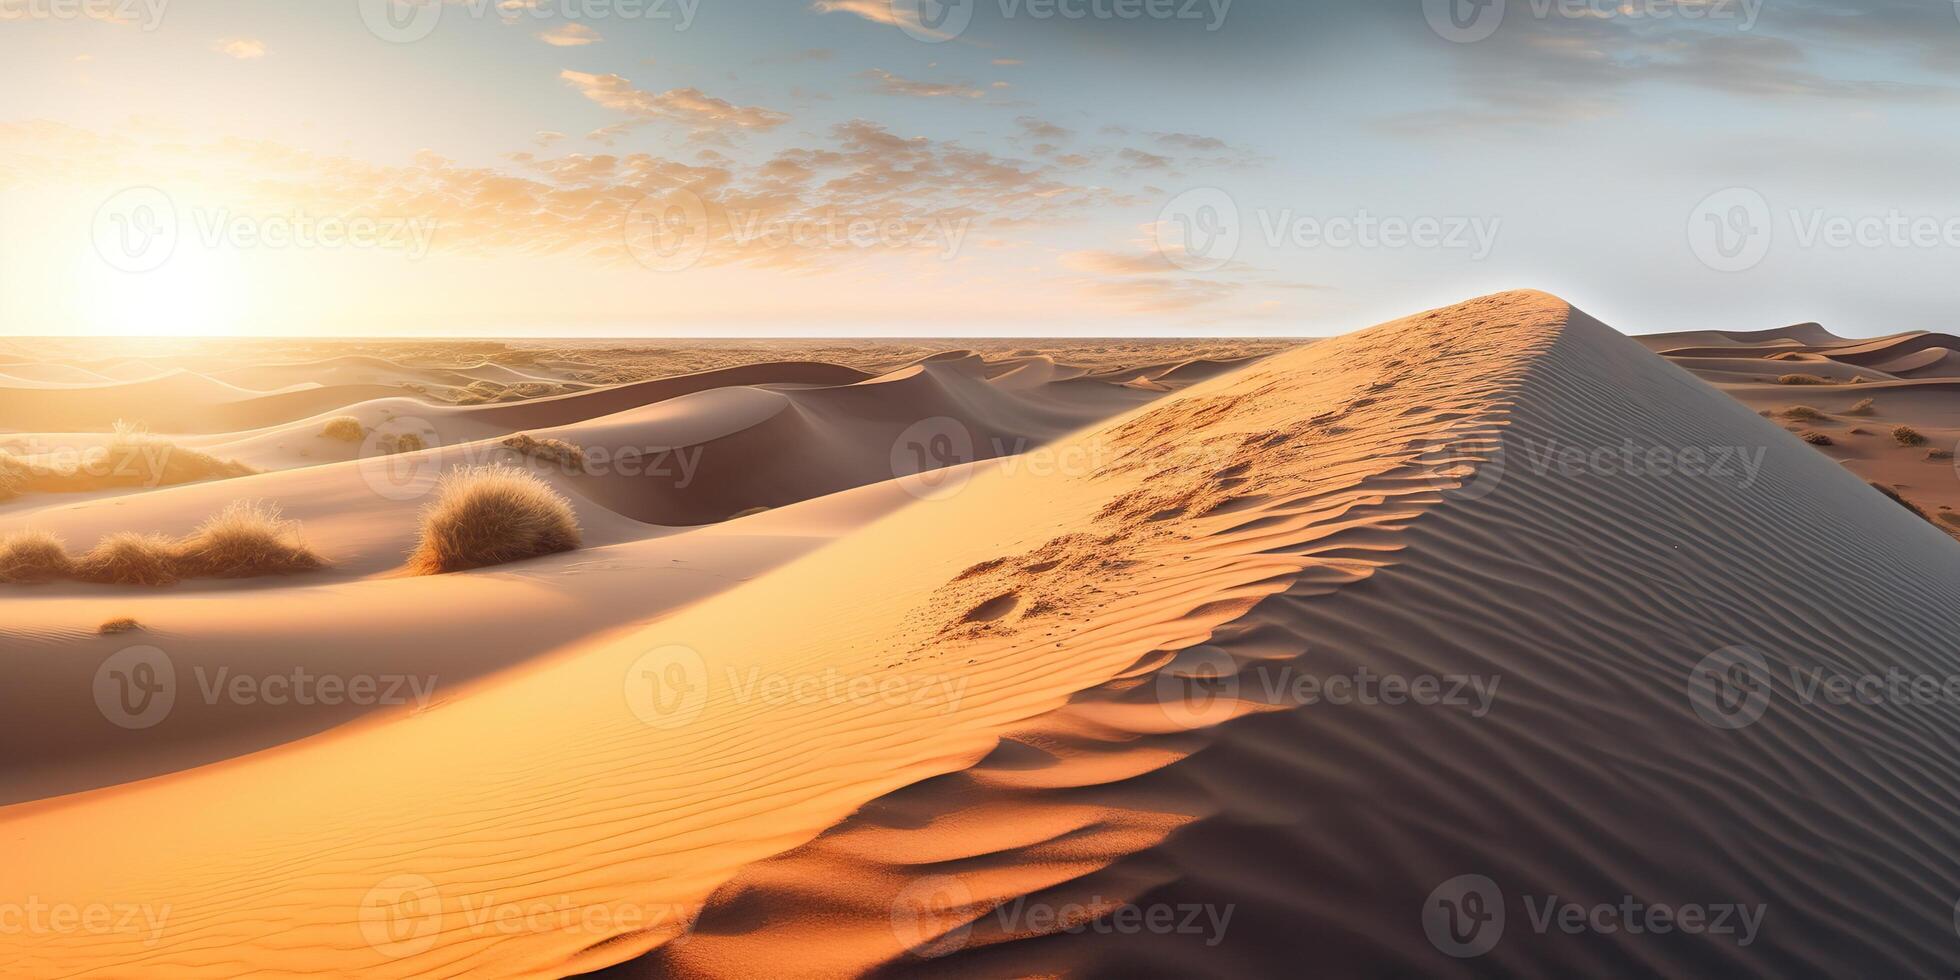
[1320,831]
[707,456]
[968,613]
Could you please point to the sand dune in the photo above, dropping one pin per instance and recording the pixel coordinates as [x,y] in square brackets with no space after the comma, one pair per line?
[1067,684]
[1910,378]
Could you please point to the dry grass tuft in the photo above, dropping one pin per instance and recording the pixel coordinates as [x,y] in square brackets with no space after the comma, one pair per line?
[246,539]
[13,476]
[1802,379]
[563,454]
[121,624]
[1864,406]
[389,444]
[1817,439]
[129,558]
[1939,454]
[1804,412]
[345,428]
[490,515]
[1906,435]
[32,557]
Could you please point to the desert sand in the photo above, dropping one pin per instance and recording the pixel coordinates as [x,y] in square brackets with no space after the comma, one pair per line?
[939,662]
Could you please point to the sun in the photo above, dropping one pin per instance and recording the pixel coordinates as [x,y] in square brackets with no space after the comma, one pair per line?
[193,290]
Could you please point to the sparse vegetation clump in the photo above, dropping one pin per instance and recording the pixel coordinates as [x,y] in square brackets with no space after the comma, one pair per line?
[121,624]
[245,540]
[130,558]
[391,444]
[1803,412]
[1939,454]
[344,428]
[132,458]
[1817,439]
[1906,435]
[32,557]
[1801,379]
[558,452]
[490,515]
[1864,406]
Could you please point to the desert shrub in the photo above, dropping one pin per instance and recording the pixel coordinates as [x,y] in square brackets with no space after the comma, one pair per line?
[1801,379]
[129,558]
[1864,406]
[1804,412]
[389,444]
[1817,439]
[489,515]
[1906,435]
[121,624]
[1859,430]
[1939,454]
[345,428]
[246,539]
[555,451]
[30,557]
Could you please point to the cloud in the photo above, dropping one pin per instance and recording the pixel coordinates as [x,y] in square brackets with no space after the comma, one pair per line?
[879,12]
[689,106]
[1041,129]
[1104,262]
[1007,61]
[892,84]
[242,48]
[570,35]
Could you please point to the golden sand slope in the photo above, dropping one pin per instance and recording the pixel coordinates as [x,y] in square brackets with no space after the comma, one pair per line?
[1049,682]
[551,788]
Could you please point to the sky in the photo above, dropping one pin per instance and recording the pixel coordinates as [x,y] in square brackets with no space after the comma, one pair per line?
[985,167]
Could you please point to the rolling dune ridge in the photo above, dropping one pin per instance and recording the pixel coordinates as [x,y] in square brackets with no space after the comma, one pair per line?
[991,710]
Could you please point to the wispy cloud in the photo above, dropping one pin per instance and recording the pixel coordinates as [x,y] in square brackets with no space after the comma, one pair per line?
[689,106]
[570,35]
[892,84]
[242,48]
[878,12]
